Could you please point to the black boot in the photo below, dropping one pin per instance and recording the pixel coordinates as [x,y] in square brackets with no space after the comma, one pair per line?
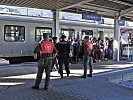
[83,76]
[46,88]
[61,75]
[68,73]
[89,75]
[35,87]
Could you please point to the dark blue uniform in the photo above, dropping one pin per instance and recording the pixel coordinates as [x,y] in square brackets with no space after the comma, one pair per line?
[63,48]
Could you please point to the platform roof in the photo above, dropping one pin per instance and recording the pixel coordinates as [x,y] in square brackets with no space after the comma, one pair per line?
[107,8]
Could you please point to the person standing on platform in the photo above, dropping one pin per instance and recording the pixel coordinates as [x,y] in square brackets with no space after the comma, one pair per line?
[87,56]
[55,61]
[47,54]
[63,48]
[75,50]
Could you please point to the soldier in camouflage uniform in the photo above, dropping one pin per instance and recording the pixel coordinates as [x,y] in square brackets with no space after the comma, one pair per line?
[47,53]
[87,56]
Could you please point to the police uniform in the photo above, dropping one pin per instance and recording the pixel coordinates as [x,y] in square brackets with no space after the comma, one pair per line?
[63,48]
[87,58]
[46,49]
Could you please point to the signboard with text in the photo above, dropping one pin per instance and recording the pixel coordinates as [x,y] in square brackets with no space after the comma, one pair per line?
[91,16]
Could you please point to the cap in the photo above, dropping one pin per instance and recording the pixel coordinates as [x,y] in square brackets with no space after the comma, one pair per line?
[45,36]
[50,36]
[86,37]
[54,38]
[63,36]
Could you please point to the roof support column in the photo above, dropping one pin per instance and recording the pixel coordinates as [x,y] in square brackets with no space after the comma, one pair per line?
[116,44]
[56,23]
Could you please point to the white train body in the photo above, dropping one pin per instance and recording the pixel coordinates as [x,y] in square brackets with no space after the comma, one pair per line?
[9,50]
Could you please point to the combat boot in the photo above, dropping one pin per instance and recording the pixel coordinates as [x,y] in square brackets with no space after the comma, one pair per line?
[35,87]
[83,76]
[89,75]
[45,88]
[61,75]
[68,74]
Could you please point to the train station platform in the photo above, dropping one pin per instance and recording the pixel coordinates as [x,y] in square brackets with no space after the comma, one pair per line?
[16,81]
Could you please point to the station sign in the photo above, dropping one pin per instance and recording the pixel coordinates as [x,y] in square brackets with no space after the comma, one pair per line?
[121,22]
[91,16]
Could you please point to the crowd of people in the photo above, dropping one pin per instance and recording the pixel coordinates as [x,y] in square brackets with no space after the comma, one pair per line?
[52,53]
[103,49]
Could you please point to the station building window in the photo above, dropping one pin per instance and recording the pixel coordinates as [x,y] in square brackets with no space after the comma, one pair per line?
[69,33]
[14,33]
[39,31]
[87,33]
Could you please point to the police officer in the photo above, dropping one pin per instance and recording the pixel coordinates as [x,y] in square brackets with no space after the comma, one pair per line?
[87,47]
[47,53]
[63,48]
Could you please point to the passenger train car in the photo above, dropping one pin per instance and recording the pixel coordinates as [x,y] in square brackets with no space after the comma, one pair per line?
[19,35]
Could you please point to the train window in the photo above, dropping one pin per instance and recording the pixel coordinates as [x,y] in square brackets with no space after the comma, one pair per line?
[87,33]
[14,33]
[39,31]
[69,33]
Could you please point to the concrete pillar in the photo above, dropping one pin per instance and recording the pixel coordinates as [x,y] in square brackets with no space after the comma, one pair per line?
[55,31]
[116,44]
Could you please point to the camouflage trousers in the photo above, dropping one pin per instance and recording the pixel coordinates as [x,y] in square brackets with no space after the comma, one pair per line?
[87,64]
[44,64]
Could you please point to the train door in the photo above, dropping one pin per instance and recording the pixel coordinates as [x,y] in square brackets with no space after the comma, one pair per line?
[69,33]
[39,31]
[87,33]
[101,35]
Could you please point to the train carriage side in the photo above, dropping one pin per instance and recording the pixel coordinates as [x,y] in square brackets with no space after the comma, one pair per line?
[81,29]
[19,36]
[17,39]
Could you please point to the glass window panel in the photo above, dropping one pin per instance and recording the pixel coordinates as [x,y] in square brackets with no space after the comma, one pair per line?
[14,33]
[39,31]
[12,28]
[69,33]
[87,33]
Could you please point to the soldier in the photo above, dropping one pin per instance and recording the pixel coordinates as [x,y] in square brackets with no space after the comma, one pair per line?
[63,48]
[87,53]
[47,54]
